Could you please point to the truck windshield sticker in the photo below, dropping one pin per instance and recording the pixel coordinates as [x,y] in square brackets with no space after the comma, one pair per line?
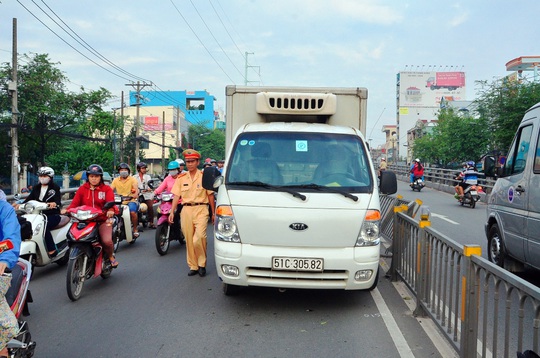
[243,142]
[301,146]
[251,142]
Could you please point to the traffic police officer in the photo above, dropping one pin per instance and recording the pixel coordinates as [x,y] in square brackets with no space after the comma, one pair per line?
[194,215]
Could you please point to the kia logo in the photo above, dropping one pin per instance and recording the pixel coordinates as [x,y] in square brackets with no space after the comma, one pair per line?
[298,226]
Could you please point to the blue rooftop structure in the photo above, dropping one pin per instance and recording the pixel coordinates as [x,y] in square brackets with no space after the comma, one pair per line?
[200,102]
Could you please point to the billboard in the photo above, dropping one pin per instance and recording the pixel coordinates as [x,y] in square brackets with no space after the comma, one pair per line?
[425,89]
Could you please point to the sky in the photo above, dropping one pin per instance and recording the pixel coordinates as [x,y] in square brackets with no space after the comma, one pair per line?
[202,44]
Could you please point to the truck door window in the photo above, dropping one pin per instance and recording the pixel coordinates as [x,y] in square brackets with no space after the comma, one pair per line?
[517,157]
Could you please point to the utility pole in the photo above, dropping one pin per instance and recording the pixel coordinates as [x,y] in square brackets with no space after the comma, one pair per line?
[246,66]
[138,87]
[163,143]
[12,88]
[122,105]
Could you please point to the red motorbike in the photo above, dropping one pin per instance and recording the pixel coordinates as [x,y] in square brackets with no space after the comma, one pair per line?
[86,259]
[17,297]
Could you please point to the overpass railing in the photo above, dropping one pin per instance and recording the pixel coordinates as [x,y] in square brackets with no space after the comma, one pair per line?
[482,309]
[439,178]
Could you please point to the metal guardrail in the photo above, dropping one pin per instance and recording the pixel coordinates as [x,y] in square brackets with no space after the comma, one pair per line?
[482,309]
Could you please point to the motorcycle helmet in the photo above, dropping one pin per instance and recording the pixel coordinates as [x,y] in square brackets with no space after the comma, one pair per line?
[470,163]
[180,162]
[143,207]
[46,171]
[141,165]
[124,166]
[173,165]
[94,169]
[417,160]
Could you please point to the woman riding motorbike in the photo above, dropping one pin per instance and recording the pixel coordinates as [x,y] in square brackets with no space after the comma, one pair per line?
[96,193]
[47,191]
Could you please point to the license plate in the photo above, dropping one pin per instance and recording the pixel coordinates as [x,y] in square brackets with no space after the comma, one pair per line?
[297,264]
[473,193]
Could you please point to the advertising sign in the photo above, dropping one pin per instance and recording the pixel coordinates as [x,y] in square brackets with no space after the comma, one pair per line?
[425,89]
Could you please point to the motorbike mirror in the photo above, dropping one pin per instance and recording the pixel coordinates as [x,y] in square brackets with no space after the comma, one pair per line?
[153,183]
[17,196]
[210,176]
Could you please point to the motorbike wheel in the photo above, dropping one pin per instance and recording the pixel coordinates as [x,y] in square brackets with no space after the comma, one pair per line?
[107,269]
[64,260]
[162,240]
[75,277]
[116,240]
[25,337]
[473,203]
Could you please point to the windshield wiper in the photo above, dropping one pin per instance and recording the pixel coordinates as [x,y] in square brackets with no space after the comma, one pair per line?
[269,186]
[326,188]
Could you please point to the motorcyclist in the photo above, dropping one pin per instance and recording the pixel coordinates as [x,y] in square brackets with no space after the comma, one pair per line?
[9,229]
[470,177]
[142,182]
[47,191]
[166,186]
[126,185]
[96,193]
[417,170]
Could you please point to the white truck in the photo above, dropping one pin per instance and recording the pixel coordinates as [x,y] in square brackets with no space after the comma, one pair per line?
[298,202]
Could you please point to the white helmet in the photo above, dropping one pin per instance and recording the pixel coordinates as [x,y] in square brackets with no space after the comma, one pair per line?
[143,207]
[180,162]
[46,171]
[417,160]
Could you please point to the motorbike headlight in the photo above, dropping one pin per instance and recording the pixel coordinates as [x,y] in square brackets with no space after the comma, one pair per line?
[369,233]
[225,227]
[166,197]
[84,215]
[29,208]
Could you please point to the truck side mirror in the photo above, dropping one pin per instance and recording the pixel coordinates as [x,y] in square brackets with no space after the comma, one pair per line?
[210,175]
[388,183]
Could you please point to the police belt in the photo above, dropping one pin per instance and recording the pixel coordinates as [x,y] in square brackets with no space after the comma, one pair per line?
[193,204]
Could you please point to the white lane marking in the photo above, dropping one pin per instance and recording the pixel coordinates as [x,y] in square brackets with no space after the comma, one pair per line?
[443,217]
[398,338]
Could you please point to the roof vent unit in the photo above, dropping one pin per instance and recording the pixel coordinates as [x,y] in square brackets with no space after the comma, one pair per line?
[296,103]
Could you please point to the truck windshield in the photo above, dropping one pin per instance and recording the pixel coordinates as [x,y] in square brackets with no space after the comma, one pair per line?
[301,161]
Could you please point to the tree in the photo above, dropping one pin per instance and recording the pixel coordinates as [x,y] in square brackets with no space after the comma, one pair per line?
[210,143]
[502,105]
[53,119]
[457,137]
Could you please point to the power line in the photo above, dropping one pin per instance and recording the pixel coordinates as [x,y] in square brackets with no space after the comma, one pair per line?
[200,41]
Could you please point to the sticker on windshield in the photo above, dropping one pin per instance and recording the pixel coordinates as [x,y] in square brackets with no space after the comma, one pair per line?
[243,142]
[301,146]
[251,142]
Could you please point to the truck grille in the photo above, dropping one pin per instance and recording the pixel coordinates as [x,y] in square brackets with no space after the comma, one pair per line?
[325,279]
[283,102]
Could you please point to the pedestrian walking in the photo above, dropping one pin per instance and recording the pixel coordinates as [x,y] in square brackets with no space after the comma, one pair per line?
[195,214]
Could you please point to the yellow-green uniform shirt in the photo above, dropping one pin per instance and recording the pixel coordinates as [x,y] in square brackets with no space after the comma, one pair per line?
[123,187]
[191,191]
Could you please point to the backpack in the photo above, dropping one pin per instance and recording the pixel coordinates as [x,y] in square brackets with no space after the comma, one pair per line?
[26,228]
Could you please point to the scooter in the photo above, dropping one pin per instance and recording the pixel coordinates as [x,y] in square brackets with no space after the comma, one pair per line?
[470,196]
[86,259]
[417,184]
[165,232]
[34,249]
[122,228]
[17,297]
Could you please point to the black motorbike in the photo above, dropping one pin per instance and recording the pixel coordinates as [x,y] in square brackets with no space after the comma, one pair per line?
[417,184]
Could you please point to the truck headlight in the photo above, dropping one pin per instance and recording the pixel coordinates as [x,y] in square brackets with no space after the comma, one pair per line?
[225,226]
[369,233]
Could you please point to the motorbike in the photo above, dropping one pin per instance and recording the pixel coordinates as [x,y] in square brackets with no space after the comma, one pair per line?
[143,217]
[34,249]
[470,195]
[17,297]
[86,259]
[165,232]
[417,184]
[122,228]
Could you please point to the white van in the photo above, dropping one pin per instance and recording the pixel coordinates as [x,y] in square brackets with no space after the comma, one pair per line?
[298,205]
[513,223]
